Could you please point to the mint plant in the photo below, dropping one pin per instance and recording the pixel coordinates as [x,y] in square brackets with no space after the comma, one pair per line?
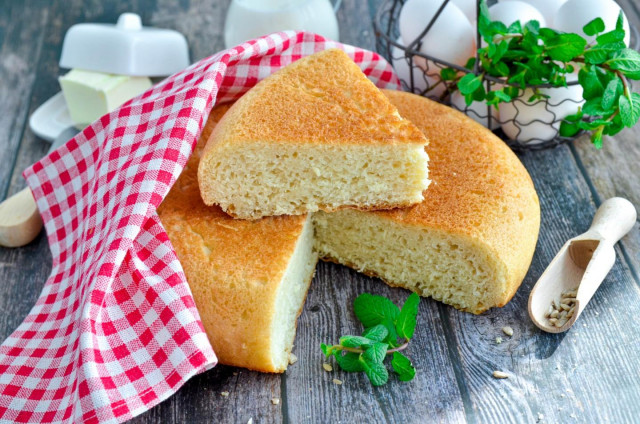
[522,55]
[388,331]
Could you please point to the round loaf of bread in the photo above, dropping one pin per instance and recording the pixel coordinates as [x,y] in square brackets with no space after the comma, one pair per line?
[470,242]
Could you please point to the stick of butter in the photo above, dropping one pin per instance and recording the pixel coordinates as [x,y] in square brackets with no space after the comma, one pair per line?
[89,95]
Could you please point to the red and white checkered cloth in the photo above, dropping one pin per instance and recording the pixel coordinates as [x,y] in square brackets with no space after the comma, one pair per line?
[115,330]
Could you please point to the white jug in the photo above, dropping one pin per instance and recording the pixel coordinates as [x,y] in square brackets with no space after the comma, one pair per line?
[248,19]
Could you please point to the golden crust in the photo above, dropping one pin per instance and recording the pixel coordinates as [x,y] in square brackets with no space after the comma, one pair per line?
[323,98]
[233,266]
[479,188]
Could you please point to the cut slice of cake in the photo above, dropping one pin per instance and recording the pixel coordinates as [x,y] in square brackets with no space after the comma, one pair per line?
[316,135]
[249,279]
[470,242]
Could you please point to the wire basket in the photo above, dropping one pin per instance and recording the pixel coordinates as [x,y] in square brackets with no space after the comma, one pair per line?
[419,73]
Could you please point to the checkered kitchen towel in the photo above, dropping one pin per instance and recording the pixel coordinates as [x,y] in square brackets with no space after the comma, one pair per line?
[115,330]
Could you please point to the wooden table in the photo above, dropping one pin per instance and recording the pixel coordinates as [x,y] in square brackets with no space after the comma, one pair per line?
[589,374]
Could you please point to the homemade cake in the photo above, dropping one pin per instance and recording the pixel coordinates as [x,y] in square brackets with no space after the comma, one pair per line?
[249,279]
[316,135]
[470,242]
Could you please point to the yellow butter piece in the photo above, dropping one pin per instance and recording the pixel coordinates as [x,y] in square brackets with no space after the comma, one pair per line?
[89,95]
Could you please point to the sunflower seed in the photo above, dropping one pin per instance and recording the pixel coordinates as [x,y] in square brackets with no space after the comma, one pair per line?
[500,374]
[327,367]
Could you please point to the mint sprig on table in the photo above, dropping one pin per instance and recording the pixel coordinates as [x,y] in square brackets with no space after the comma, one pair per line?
[527,54]
[388,331]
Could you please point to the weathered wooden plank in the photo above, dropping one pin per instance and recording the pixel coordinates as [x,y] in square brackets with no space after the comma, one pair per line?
[587,373]
[22,39]
[21,276]
[615,171]
[433,396]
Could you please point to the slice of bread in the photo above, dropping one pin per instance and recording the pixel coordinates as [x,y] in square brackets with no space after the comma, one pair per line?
[470,242]
[316,135]
[249,279]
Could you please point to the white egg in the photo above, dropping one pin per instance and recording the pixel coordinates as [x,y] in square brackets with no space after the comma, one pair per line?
[508,12]
[451,38]
[575,14]
[478,111]
[548,8]
[422,83]
[468,7]
[539,121]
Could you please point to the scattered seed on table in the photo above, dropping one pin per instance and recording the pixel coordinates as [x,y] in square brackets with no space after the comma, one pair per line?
[275,401]
[327,367]
[508,331]
[500,374]
[336,381]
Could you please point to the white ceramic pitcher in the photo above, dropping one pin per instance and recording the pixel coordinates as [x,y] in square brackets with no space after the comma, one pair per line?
[247,19]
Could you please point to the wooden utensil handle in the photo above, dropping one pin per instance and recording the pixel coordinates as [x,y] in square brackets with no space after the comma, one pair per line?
[614,218]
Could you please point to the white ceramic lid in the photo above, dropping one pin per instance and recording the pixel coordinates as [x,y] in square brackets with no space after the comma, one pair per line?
[126,48]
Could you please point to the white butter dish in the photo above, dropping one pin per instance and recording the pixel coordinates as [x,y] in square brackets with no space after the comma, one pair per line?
[126,48]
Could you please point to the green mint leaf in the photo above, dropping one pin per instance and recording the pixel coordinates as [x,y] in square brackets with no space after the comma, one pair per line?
[547,34]
[593,107]
[565,47]
[532,27]
[375,352]
[354,341]
[594,27]
[377,373]
[600,53]
[376,333]
[406,322]
[620,20]
[372,310]
[611,93]
[448,74]
[615,127]
[596,138]
[626,61]
[469,83]
[470,63]
[615,36]
[403,366]
[629,110]
[568,129]
[484,21]
[515,28]
[350,362]
[392,337]
[325,349]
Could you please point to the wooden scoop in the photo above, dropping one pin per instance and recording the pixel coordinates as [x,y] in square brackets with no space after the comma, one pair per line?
[580,266]
[20,220]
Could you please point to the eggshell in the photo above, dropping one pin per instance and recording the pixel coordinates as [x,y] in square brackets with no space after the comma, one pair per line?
[548,8]
[476,110]
[539,121]
[468,7]
[575,14]
[508,12]
[451,38]
[421,81]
